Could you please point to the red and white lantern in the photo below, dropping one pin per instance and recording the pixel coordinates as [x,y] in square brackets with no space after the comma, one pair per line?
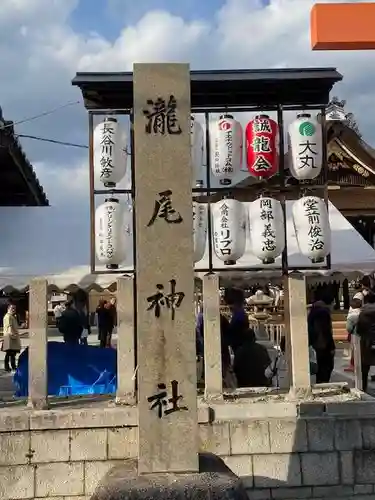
[312,229]
[226,148]
[262,146]
[229,230]
[266,222]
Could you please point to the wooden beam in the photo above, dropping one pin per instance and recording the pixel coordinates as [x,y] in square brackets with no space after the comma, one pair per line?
[343,26]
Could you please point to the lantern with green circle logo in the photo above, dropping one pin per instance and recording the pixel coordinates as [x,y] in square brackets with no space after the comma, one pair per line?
[305,147]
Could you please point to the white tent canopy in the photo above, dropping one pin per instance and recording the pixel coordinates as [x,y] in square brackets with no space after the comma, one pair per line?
[44,242]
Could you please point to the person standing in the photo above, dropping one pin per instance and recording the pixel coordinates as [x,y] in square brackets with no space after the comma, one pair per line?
[104,322]
[366,332]
[70,324]
[351,328]
[57,311]
[319,323]
[12,343]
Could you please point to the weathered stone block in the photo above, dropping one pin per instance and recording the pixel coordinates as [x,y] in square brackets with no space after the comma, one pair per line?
[347,467]
[320,468]
[368,434]
[17,482]
[291,493]
[263,494]
[14,448]
[320,434]
[122,442]
[94,473]
[59,479]
[244,411]
[49,446]
[90,444]
[215,438]
[332,491]
[242,466]
[363,489]
[288,436]
[348,435]
[271,471]
[14,421]
[364,467]
[249,437]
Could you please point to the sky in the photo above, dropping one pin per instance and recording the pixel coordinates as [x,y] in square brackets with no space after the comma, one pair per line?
[43,43]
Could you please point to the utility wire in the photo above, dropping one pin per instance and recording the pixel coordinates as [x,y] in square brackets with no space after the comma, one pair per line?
[61,143]
[35,117]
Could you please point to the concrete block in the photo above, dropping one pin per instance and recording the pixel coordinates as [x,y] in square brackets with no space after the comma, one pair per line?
[313,409]
[347,467]
[242,466]
[15,448]
[320,469]
[364,467]
[263,494]
[245,411]
[291,493]
[203,414]
[332,491]
[59,479]
[87,418]
[368,434]
[320,434]
[271,471]
[288,436]
[363,489]
[74,498]
[17,482]
[94,473]
[14,421]
[348,435]
[90,444]
[49,446]
[123,442]
[215,438]
[351,408]
[249,437]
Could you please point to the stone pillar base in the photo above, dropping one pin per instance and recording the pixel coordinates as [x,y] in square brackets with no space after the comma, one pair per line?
[214,480]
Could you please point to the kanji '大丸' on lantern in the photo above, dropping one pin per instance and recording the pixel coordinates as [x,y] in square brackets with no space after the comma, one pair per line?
[199,230]
[110,155]
[197,145]
[229,230]
[266,223]
[311,225]
[306,147]
[110,233]
[262,146]
[226,148]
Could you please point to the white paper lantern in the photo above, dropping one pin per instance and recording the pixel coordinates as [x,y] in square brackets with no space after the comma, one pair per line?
[229,230]
[226,148]
[197,146]
[110,234]
[110,155]
[266,221]
[311,225]
[199,230]
[306,147]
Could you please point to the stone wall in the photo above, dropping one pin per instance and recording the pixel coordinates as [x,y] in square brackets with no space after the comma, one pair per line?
[314,451]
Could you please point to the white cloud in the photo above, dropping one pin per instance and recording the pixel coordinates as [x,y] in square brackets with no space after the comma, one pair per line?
[40,53]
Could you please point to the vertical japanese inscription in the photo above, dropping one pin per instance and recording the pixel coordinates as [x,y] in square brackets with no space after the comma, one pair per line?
[161,116]
[315,232]
[268,234]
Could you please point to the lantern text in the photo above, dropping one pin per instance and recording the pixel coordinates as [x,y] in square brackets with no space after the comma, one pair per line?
[315,230]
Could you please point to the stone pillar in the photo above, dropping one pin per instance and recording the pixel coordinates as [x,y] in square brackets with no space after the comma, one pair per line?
[357,362]
[167,392]
[38,333]
[125,393]
[296,323]
[212,337]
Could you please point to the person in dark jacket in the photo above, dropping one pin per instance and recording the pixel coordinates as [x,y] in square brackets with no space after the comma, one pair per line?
[251,361]
[239,323]
[320,333]
[105,322]
[366,331]
[70,324]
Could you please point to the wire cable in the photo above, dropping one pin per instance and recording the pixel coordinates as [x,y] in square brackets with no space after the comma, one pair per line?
[53,141]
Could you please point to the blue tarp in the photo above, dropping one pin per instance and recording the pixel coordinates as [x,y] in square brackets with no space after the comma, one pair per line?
[72,370]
